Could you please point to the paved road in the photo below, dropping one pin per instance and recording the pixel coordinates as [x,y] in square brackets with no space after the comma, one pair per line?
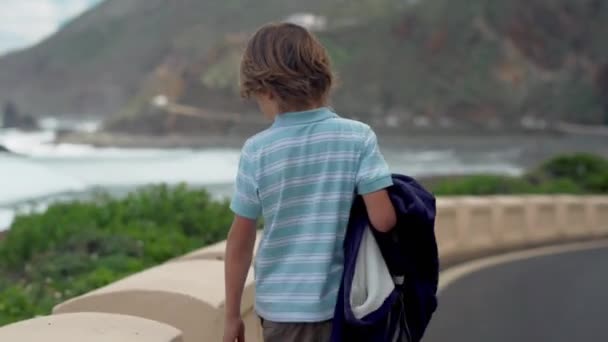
[558,298]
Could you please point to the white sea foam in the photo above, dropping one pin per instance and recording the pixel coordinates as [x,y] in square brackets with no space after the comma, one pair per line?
[42,169]
[6,217]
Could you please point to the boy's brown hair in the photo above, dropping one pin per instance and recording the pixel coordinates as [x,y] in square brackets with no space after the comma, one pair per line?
[288,61]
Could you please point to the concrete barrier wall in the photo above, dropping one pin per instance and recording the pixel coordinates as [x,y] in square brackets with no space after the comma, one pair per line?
[597,210]
[215,251]
[188,295]
[188,292]
[468,227]
[89,327]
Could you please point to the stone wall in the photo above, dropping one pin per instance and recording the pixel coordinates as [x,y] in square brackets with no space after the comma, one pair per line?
[183,299]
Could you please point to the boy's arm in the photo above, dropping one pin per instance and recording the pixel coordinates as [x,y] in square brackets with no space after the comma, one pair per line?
[380,210]
[373,177]
[239,247]
[239,253]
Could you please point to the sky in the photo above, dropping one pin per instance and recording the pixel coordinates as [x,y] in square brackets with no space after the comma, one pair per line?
[26,22]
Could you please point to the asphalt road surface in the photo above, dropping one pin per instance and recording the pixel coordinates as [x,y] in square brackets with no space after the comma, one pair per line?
[555,298]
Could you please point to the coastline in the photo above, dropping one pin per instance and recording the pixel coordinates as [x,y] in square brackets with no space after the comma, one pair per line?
[123,140]
[236,138]
[532,146]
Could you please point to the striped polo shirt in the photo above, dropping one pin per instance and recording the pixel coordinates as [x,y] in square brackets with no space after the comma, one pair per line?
[301,176]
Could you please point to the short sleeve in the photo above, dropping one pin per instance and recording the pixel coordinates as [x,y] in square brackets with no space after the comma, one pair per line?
[373,174]
[246,202]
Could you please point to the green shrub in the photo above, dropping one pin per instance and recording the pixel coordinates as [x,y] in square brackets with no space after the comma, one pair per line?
[589,172]
[557,186]
[75,247]
[569,174]
[482,185]
[16,303]
[598,183]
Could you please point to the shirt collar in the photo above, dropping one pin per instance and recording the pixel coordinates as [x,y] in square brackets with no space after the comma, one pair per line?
[305,117]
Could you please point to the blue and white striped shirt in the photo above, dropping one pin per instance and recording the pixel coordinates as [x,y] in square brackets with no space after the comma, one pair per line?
[301,175]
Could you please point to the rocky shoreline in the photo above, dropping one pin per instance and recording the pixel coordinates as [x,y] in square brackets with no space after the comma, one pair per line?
[122,140]
[531,147]
[236,137]
[4,149]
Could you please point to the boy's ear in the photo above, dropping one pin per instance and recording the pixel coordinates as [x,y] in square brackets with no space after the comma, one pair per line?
[265,94]
[271,95]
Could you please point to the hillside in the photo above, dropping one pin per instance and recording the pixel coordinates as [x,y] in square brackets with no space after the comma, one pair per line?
[432,62]
[99,60]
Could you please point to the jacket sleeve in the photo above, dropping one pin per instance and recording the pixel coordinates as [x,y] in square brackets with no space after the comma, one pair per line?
[416,204]
[414,252]
[416,210]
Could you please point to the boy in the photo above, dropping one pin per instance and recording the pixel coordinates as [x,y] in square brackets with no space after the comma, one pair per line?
[301,175]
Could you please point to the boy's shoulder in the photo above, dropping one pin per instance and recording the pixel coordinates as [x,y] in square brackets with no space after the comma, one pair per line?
[271,134]
[356,126]
[360,129]
[258,139]
[252,146]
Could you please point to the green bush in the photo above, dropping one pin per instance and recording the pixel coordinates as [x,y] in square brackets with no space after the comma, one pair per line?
[598,183]
[482,185]
[570,174]
[562,186]
[589,172]
[75,247]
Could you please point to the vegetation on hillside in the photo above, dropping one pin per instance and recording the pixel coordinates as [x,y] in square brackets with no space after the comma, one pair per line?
[483,63]
[73,248]
[104,57]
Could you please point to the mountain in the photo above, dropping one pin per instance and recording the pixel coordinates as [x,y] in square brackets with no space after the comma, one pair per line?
[99,60]
[430,62]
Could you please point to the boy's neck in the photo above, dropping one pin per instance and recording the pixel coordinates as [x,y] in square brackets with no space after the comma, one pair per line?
[276,110]
[302,108]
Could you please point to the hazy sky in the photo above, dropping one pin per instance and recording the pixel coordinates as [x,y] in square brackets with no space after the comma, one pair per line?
[25,22]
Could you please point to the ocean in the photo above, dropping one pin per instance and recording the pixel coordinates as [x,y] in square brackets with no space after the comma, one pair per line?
[41,172]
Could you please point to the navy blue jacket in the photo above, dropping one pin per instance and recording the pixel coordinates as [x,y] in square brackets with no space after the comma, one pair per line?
[410,251]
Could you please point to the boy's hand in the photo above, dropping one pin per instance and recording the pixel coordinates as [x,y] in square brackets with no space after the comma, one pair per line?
[239,252]
[234,330]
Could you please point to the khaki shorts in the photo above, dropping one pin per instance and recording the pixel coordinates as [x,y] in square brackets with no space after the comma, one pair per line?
[296,332]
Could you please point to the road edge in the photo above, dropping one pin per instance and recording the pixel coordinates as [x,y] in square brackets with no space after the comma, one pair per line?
[452,274]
